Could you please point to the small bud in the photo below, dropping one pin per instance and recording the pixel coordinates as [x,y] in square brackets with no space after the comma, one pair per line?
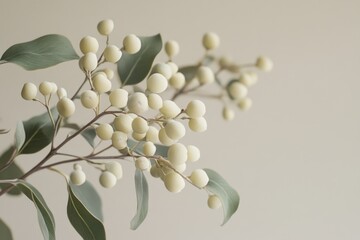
[89,99]
[119,98]
[142,163]
[170,109]
[89,61]
[199,178]
[237,90]
[193,153]
[198,124]
[210,41]
[105,27]
[195,109]
[45,88]
[29,91]
[61,92]
[228,113]
[264,63]
[149,148]
[205,75]
[174,182]
[164,138]
[172,48]
[89,44]
[101,83]
[77,177]
[107,179]
[115,168]
[104,131]
[177,154]
[155,101]
[162,68]
[132,44]
[214,202]
[177,81]
[65,107]
[156,83]
[152,135]
[112,54]
[245,104]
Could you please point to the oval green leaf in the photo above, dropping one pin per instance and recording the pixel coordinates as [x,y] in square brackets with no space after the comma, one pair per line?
[39,132]
[20,135]
[189,72]
[142,196]
[9,170]
[42,52]
[228,196]
[133,68]
[85,222]
[5,231]
[45,217]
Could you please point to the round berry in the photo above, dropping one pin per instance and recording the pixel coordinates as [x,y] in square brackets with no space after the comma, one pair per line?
[228,113]
[172,48]
[104,131]
[89,44]
[107,179]
[170,109]
[115,168]
[89,99]
[152,135]
[149,148]
[46,88]
[177,81]
[180,167]
[248,79]
[264,63]
[199,178]
[173,66]
[162,68]
[138,103]
[140,125]
[175,130]
[195,109]
[132,44]
[89,61]
[142,163]
[109,73]
[119,98]
[65,107]
[193,153]
[54,88]
[138,136]
[119,140]
[198,124]
[225,62]
[174,182]
[214,202]
[245,104]
[29,91]
[210,41]
[237,90]
[164,138]
[77,177]
[177,154]
[205,75]
[61,92]
[155,171]
[105,27]
[123,123]
[101,83]
[112,54]
[156,83]
[155,101]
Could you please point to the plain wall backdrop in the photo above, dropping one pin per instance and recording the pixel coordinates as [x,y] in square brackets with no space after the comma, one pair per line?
[294,157]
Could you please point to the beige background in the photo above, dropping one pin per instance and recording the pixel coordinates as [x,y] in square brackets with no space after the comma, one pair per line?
[294,158]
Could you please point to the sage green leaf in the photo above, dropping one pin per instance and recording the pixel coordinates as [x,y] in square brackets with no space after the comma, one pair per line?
[89,134]
[6,157]
[5,231]
[20,135]
[45,217]
[133,68]
[228,196]
[189,72]
[11,171]
[42,52]
[39,132]
[87,194]
[83,220]
[142,196]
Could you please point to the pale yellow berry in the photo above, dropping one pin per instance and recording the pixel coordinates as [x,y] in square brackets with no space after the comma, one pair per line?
[65,107]
[193,153]
[29,91]
[180,167]
[152,135]
[149,148]
[115,168]
[140,125]
[225,62]
[177,154]
[138,136]
[264,63]
[109,73]
[245,104]
[174,68]
[228,114]
[89,99]
[170,109]
[164,69]
[172,48]
[164,138]
[89,44]
[89,61]
[132,44]
[156,83]
[105,27]
[119,98]
[155,171]
[199,178]
[61,92]
[112,54]
[198,124]
[214,202]
[237,90]
[195,109]
[174,182]
[155,101]
[205,75]
[104,131]
[248,79]
[210,40]
[101,83]
[123,123]
[138,103]
[77,166]
[142,163]
[107,179]
[54,88]
[175,130]
[77,177]
[45,88]
[119,140]
[177,81]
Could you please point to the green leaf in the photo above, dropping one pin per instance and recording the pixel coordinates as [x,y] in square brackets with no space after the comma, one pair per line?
[133,68]
[228,196]
[5,157]
[5,231]
[45,217]
[39,132]
[142,196]
[42,52]
[20,135]
[189,72]
[87,194]
[12,171]
[83,220]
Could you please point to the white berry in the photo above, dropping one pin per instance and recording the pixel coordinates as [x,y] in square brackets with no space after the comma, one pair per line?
[89,99]
[210,41]
[101,83]
[170,109]
[245,104]
[205,75]
[29,91]
[173,66]
[237,90]
[177,154]
[112,54]
[140,125]
[175,130]
[149,148]
[77,177]
[132,44]
[138,103]
[105,27]
[115,168]
[174,182]
[65,107]
[138,136]
[214,202]
[142,163]
[119,140]
[156,83]
[264,63]
[123,123]
[152,135]
[195,109]
[198,124]
[172,48]
[199,178]
[104,131]
[89,44]
[109,73]
[155,101]
[107,179]
[89,61]
[46,88]
[177,81]
[193,153]
[61,92]
[164,138]
[228,113]
[119,98]
[248,79]
[164,69]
